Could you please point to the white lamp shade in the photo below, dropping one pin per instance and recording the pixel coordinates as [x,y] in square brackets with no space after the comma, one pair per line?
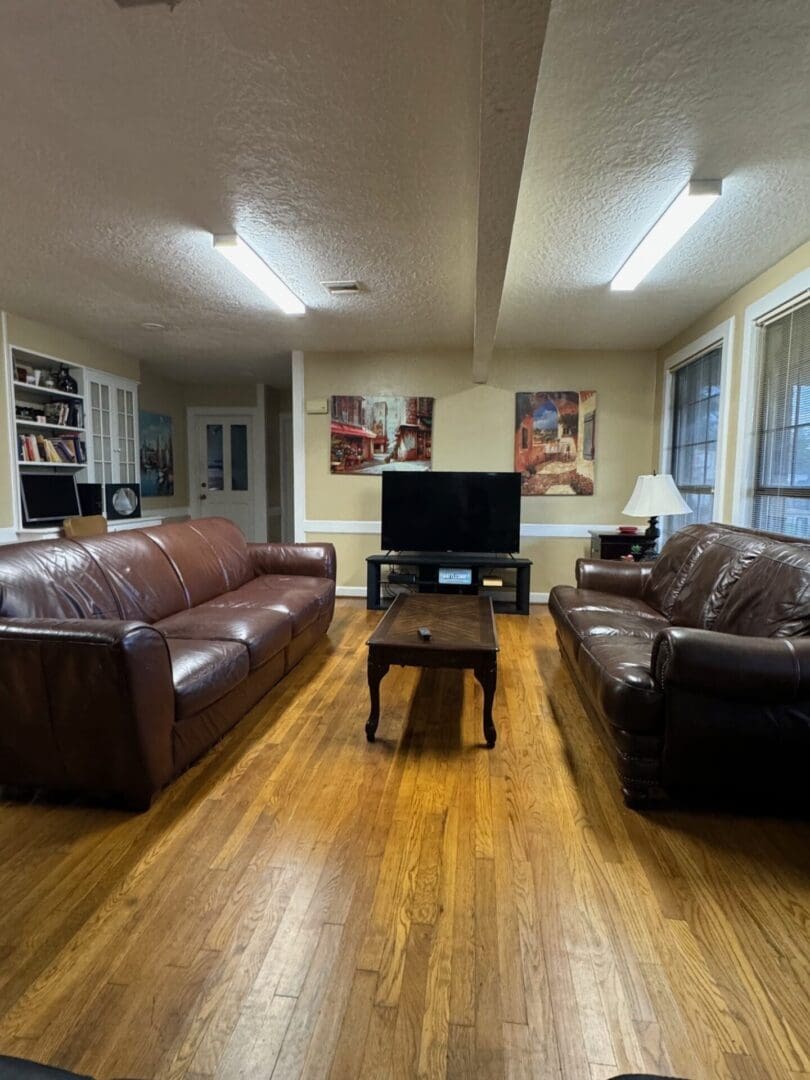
[655,495]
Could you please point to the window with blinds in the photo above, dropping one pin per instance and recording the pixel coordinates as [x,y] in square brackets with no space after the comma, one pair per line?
[695,419]
[782,479]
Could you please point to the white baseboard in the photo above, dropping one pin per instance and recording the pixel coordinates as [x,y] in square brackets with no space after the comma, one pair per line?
[538,598]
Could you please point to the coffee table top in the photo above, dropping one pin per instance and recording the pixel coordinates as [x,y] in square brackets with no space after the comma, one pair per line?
[457,623]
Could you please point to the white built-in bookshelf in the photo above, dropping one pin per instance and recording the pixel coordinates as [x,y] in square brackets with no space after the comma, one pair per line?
[90,432]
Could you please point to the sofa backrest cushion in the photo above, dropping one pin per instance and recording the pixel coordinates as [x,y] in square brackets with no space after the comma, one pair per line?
[674,565]
[53,579]
[771,598]
[714,571]
[230,546]
[141,577]
[205,555]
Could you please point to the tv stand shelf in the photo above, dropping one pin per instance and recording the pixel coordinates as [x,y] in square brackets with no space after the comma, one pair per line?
[510,598]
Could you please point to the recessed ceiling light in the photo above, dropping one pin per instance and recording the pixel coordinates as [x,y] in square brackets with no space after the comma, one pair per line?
[255,269]
[342,288]
[688,207]
[153,326]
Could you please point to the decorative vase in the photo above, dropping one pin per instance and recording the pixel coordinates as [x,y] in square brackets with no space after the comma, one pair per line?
[65,381]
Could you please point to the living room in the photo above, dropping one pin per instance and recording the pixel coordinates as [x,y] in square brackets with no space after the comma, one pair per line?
[403,617]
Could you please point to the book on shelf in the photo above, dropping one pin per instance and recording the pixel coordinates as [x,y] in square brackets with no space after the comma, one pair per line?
[69,450]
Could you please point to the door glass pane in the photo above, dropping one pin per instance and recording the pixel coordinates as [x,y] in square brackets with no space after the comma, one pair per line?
[214,467]
[239,462]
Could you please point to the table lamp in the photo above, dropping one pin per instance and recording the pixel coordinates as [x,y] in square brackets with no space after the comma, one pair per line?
[655,495]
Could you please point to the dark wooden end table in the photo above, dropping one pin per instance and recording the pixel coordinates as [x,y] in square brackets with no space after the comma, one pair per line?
[463,635]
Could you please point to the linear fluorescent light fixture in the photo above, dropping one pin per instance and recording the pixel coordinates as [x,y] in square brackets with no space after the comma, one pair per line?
[679,217]
[255,269]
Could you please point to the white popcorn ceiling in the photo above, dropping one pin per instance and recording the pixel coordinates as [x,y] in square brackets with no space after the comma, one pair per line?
[634,98]
[340,139]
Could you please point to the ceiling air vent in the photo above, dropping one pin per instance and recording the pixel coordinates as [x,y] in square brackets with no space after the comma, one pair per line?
[342,288]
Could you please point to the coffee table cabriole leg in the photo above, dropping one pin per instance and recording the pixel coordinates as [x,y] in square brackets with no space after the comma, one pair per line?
[487,675]
[377,670]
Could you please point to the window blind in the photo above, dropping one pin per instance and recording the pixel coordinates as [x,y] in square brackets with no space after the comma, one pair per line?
[782,480]
[695,418]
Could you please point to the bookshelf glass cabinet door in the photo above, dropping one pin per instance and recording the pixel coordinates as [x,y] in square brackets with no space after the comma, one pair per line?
[112,417]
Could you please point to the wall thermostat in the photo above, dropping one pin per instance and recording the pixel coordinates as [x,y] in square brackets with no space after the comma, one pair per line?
[317,406]
[455,575]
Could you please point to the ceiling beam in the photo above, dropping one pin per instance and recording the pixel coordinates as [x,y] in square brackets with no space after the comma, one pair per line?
[512,35]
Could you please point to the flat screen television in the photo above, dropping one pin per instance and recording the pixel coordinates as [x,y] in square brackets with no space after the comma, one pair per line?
[48,498]
[451,511]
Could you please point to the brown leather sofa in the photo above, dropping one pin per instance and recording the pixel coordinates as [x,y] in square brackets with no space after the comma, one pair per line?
[698,665]
[124,657]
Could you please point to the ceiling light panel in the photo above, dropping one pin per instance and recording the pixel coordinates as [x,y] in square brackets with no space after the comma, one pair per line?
[688,207]
[256,270]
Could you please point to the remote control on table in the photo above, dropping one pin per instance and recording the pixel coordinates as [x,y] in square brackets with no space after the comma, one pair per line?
[424,633]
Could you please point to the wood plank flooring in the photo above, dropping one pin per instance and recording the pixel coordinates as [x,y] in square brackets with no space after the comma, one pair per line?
[304,904]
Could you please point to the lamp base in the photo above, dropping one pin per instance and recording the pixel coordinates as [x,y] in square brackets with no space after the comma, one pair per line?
[651,534]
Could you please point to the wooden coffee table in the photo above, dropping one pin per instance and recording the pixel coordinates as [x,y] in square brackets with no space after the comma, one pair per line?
[463,635]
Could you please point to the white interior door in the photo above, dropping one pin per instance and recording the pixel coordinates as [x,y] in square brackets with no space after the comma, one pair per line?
[224,473]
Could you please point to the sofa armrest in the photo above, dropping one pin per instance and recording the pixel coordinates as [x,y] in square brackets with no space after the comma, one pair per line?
[313,560]
[775,670]
[87,705]
[613,576]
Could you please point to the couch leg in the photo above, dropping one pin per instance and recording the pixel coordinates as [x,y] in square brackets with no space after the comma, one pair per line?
[636,798]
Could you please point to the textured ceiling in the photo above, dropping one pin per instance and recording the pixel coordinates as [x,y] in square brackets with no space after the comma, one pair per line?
[634,98]
[341,139]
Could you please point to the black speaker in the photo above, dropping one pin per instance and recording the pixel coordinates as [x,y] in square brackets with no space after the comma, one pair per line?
[91,499]
[122,501]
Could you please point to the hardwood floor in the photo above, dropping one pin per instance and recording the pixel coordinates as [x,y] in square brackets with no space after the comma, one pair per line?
[303,903]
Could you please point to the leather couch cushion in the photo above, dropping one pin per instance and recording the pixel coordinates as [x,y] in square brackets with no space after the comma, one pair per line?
[264,633]
[590,623]
[53,579]
[230,547]
[772,596]
[205,556]
[592,608]
[617,674]
[143,581]
[714,571]
[302,598]
[205,671]
[674,565]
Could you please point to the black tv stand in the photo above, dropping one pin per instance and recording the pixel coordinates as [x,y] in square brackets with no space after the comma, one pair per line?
[420,569]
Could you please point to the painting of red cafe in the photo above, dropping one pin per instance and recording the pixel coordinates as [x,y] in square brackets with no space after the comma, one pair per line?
[369,434]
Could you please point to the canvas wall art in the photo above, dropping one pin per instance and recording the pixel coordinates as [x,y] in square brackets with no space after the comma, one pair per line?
[370,434]
[555,441]
[157,454]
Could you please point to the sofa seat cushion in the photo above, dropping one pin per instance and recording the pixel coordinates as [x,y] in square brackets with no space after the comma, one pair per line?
[568,598]
[577,610]
[263,632]
[301,597]
[205,671]
[618,677]
[593,623]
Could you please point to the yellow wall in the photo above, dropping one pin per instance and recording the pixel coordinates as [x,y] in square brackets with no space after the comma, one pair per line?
[734,307]
[474,429]
[161,395]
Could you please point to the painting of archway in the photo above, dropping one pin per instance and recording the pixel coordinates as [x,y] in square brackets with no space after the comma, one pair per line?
[555,441]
